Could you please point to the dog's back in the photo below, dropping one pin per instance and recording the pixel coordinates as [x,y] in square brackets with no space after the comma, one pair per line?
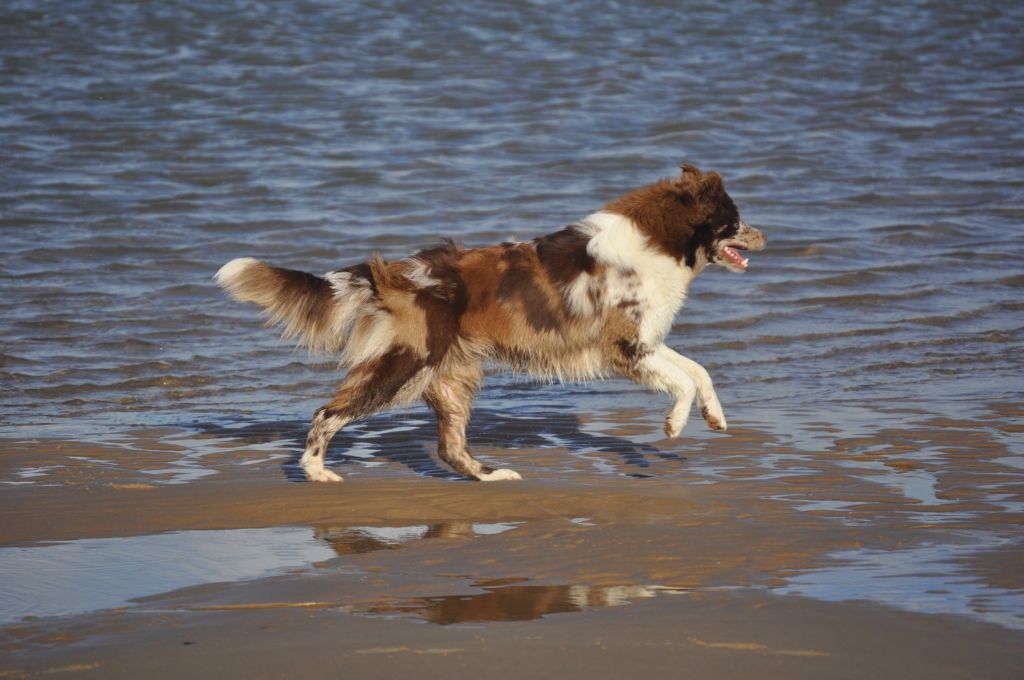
[510,303]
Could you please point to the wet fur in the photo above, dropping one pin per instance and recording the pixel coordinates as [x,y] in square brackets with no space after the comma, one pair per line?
[596,298]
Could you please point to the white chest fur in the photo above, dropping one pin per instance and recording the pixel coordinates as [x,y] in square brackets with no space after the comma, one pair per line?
[638,278]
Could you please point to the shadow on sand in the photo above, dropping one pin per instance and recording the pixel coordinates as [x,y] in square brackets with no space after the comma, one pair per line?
[410,439]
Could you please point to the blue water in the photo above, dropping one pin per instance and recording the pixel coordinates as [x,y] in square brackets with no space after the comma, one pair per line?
[73,577]
[878,144]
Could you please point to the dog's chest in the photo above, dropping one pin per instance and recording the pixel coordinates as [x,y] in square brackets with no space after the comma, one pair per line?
[651,296]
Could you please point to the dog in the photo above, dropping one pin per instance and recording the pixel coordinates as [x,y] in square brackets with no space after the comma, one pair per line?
[595,298]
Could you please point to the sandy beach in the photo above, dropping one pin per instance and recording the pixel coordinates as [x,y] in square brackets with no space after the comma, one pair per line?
[574,575]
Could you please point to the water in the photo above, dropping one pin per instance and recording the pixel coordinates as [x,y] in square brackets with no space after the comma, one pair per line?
[99,573]
[74,577]
[918,580]
[880,146]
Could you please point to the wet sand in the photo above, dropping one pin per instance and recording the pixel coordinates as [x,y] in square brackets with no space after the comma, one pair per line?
[695,566]
[722,634]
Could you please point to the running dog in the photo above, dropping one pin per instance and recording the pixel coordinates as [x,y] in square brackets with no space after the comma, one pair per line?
[596,298]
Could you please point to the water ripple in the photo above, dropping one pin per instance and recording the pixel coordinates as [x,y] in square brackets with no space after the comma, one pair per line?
[878,145]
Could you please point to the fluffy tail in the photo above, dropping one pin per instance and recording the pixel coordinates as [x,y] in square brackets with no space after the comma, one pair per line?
[319,312]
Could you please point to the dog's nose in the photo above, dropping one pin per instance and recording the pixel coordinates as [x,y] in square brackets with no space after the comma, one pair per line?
[755,235]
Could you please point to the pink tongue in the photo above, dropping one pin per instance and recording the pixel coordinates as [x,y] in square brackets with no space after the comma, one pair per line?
[734,257]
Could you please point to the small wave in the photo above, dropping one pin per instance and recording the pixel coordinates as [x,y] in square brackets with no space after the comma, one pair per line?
[1015,281]
[922,233]
[867,299]
[843,279]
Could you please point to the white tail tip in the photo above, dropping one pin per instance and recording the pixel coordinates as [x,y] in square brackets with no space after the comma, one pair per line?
[227,274]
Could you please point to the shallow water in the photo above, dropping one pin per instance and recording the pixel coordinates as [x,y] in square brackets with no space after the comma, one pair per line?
[875,345]
[74,577]
[919,579]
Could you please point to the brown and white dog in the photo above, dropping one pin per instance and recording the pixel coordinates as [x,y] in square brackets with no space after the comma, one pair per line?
[595,298]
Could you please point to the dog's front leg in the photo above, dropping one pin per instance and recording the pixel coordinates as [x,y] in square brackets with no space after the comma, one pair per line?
[659,371]
[710,407]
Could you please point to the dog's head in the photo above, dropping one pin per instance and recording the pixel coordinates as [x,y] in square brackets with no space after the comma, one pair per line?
[693,219]
[720,232]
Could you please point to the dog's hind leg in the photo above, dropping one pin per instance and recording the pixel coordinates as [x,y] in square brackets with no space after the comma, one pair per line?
[450,397]
[327,421]
[397,376]
[710,407]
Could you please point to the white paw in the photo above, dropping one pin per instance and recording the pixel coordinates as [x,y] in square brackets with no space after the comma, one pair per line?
[714,416]
[499,475]
[675,422]
[323,475]
[315,471]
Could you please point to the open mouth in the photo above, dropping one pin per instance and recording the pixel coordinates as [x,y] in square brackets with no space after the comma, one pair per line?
[730,256]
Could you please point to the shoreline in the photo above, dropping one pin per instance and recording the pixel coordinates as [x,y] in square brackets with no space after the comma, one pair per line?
[699,560]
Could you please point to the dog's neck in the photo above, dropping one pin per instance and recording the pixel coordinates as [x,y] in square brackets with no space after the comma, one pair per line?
[619,242]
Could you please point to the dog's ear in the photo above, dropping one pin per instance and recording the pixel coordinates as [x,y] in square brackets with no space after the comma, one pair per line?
[687,186]
[690,170]
[711,189]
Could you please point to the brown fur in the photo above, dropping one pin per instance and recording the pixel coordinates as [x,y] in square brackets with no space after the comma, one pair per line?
[558,306]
